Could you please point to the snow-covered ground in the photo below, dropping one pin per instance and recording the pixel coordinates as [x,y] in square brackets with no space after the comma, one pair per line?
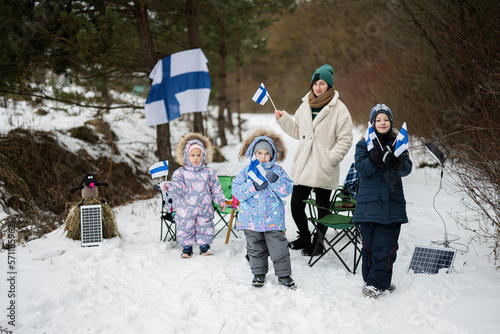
[137,284]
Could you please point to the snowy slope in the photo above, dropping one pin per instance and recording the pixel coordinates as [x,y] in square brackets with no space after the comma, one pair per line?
[138,284]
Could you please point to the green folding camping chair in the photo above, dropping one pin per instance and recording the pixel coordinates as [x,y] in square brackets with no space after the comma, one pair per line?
[343,238]
[226,217]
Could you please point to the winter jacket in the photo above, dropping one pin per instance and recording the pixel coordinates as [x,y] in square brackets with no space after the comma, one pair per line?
[194,187]
[323,143]
[262,210]
[380,196]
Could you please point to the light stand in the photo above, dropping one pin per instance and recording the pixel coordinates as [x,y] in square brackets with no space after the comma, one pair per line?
[436,151]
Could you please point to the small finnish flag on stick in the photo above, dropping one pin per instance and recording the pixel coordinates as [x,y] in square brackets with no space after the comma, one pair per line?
[256,171]
[369,136]
[401,141]
[159,169]
[260,95]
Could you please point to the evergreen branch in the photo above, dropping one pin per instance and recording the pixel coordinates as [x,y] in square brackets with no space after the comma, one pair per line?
[74,103]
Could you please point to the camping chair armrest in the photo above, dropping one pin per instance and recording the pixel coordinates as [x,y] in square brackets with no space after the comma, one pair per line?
[313,203]
[228,209]
[217,206]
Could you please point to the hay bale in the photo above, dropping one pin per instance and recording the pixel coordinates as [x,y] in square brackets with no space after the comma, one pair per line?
[72,223]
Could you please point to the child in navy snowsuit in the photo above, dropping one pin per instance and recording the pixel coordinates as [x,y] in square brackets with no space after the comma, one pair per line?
[262,212]
[195,186]
[381,206]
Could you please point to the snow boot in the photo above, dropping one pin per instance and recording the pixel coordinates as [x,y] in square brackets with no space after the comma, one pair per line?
[187,252]
[301,242]
[314,249]
[371,291]
[287,281]
[258,281]
[205,250]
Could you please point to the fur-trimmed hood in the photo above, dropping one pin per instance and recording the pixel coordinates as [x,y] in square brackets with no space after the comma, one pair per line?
[181,155]
[274,139]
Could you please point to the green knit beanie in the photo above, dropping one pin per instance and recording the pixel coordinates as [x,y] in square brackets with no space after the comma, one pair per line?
[325,72]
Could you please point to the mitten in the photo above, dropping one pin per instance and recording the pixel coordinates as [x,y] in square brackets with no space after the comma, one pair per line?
[389,158]
[376,157]
[260,187]
[399,164]
[396,163]
[271,176]
[164,186]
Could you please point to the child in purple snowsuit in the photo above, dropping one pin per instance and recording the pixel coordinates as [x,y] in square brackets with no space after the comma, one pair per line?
[195,186]
[262,212]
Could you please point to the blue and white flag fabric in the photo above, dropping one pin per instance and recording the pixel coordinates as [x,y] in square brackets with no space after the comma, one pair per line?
[159,169]
[261,95]
[370,135]
[181,84]
[256,171]
[401,141]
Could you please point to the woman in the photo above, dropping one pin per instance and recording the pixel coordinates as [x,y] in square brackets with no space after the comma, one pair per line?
[323,127]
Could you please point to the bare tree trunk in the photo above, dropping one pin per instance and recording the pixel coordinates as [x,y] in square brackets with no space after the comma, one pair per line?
[148,48]
[164,151]
[222,84]
[238,97]
[192,7]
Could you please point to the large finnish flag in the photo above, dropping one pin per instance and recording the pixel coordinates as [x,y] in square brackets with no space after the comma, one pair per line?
[181,84]
[256,171]
[370,135]
[401,141]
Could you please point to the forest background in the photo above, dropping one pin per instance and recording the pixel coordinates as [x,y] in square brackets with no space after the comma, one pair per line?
[435,63]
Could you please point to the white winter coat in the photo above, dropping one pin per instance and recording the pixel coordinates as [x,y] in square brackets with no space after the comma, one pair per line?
[323,143]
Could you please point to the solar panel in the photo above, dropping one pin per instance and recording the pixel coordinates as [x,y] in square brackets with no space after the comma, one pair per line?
[91,225]
[431,259]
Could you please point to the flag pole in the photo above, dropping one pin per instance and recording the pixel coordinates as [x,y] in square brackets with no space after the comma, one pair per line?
[269,96]
[377,137]
[379,141]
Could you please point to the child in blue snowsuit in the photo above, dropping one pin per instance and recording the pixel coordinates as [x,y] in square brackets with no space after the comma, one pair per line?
[381,206]
[262,212]
[195,186]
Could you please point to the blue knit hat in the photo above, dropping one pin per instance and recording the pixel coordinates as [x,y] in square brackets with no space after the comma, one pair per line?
[381,108]
[263,145]
[325,72]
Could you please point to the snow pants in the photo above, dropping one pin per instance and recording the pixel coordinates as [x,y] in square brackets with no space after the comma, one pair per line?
[198,229]
[260,245]
[380,243]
